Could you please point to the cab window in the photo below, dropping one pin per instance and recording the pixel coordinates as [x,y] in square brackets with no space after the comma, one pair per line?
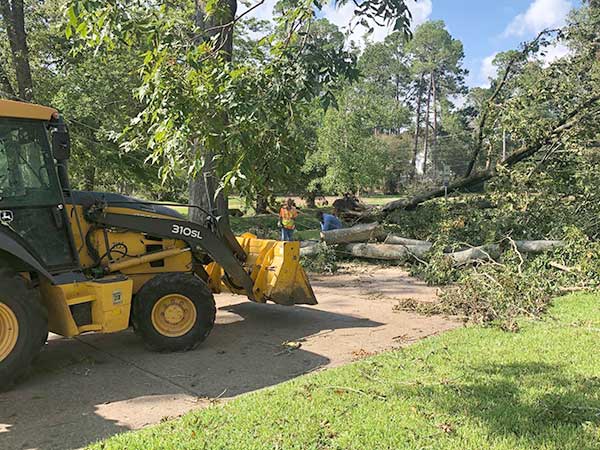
[25,162]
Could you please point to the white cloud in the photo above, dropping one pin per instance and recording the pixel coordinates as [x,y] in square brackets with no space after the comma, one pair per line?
[342,16]
[487,70]
[553,52]
[421,10]
[540,15]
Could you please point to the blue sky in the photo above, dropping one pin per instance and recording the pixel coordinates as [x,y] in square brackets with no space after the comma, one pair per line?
[488,27]
[485,27]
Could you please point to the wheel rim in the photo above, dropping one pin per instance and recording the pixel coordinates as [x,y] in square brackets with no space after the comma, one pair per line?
[9,331]
[174,315]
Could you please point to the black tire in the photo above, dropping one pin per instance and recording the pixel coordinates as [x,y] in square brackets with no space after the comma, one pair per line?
[32,319]
[184,284]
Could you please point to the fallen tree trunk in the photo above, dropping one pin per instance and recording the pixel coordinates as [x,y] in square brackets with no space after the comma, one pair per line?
[526,151]
[418,249]
[483,253]
[308,243]
[476,178]
[538,246]
[492,251]
[308,248]
[398,240]
[357,233]
[388,252]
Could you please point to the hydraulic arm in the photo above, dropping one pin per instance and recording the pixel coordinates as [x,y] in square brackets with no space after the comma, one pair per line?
[219,243]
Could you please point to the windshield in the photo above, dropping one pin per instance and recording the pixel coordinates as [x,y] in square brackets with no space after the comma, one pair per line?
[25,162]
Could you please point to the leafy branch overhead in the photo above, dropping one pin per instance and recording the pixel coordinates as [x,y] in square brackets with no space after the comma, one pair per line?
[195,96]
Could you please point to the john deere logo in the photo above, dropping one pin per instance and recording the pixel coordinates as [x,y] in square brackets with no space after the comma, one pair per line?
[6,217]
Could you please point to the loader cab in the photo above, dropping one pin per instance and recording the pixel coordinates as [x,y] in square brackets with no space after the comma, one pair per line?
[32,213]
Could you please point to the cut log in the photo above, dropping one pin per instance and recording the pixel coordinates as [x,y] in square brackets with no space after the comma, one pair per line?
[308,243]
[398,240]
[492,251]
[387,252]
[538,246]
[358,233]
[483,253]
[308,248]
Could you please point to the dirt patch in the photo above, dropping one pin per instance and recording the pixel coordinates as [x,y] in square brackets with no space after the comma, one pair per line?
[92,387]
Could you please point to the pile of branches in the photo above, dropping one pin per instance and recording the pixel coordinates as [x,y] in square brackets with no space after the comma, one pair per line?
[495,283]
[370,241]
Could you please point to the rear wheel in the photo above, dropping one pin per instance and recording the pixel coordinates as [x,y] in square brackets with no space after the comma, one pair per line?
[23,327]
[174,312]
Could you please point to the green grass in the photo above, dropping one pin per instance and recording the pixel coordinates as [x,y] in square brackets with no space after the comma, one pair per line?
[471,388]
[237,203]
[378,200]
[265,225]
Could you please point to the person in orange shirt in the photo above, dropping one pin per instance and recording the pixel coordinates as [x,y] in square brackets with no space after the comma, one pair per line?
[287,219]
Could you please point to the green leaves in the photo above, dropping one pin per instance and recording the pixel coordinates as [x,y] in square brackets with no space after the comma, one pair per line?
[195,102]
[383,12]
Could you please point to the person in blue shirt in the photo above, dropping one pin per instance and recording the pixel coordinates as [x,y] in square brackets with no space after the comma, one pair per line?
[329,221]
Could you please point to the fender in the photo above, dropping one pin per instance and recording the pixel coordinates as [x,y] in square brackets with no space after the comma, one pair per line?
[11,246]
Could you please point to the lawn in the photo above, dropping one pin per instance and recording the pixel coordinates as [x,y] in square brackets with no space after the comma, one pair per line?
[470,388]
[236,202]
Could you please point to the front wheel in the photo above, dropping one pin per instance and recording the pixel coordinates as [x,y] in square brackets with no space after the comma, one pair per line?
[174,312]
[23,327]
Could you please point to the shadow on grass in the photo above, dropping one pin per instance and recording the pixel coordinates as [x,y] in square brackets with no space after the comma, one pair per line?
[535,404]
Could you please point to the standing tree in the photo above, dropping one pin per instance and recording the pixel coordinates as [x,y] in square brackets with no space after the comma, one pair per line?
[351,156]
[436,64]
[13,18]
[215,20]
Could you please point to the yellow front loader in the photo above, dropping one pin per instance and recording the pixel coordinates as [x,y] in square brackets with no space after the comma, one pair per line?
[73,262]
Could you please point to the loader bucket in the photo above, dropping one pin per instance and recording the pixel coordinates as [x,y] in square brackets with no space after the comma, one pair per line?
[276,271]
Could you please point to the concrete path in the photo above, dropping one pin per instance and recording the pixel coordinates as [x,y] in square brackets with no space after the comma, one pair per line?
[85,389]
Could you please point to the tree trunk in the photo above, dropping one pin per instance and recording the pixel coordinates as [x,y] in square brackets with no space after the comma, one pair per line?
[434,150]
[262,203]
[398,240]
[14,22]
[435,116]
[475,178]
[202,190]
[427,114]
[310,198]
[538,246]
[387,252]
[308,248]
[488,156]
[5,86]
[358,233]
[413,163]
[204,185]
[491,252]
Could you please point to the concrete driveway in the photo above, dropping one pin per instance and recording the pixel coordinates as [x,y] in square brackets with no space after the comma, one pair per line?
[88,388]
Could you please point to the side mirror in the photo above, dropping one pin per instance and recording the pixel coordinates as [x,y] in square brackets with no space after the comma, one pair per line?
[61,145]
